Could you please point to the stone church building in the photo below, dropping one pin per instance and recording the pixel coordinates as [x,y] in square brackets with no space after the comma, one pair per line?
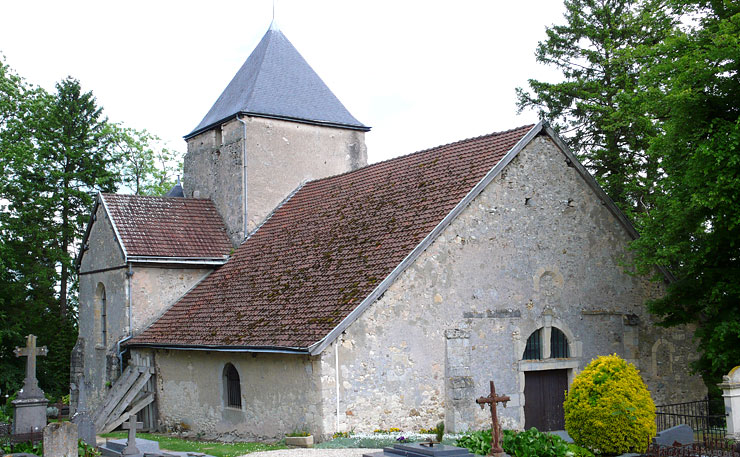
[288,285]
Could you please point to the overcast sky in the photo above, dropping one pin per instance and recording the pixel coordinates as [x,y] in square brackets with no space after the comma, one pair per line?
[420,73]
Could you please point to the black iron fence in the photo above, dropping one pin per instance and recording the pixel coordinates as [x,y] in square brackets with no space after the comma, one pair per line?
[7,437]
[707,427]
[721,448]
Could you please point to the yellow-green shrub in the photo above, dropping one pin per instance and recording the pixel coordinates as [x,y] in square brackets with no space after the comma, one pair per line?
[608,409]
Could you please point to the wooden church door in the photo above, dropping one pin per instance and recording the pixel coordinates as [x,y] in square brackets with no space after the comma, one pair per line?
[544,394]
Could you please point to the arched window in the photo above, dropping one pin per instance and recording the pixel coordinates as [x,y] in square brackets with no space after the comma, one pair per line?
[539,346]
[558,344]
[232,387]
[533,351]
[101,303]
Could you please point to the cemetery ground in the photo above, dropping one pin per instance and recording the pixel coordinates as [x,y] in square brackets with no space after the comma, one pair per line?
[608,410]
[214,448]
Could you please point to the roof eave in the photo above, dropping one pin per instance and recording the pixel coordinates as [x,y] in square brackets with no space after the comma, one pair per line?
[91,221]
[178,260]
[223,348]
[198,131]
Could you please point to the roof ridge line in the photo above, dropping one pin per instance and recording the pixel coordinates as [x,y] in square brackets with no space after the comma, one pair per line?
[527,126]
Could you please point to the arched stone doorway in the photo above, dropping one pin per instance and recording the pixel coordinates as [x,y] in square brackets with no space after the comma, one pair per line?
[548,360]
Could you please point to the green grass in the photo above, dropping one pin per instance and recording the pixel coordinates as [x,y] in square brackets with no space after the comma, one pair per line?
[215,448]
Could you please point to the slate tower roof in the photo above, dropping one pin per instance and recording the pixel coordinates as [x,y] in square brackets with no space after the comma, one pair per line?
[277,82]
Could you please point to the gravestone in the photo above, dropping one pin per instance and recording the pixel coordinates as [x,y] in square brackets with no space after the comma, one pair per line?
[492,399]
[60,439]
[29,407]
[85,423]
[679,435]
[131,426]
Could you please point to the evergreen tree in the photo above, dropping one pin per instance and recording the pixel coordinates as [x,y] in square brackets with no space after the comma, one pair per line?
[601,51]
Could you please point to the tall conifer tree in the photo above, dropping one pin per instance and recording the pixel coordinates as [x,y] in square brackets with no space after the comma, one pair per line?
[601,51]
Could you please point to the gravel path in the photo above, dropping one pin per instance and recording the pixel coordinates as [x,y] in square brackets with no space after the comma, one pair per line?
[300,452]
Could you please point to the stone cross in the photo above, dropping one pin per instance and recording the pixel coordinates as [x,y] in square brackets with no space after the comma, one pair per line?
[131,426]
[492,399]
[30,384]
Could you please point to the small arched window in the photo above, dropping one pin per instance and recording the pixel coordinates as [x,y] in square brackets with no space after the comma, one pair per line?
[558,344]
[102,304]
[533,351]
[232,387]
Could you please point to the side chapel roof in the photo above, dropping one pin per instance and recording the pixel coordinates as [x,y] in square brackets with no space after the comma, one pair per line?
[329,248]
[166,228]
[277,82]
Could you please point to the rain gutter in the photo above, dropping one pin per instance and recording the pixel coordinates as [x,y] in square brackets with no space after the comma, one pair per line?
[254,349]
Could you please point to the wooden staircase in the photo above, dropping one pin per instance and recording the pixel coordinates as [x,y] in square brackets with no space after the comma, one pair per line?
[132,393]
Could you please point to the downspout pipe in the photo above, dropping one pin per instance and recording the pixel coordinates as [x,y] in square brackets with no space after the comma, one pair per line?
[336,377]
[244,174]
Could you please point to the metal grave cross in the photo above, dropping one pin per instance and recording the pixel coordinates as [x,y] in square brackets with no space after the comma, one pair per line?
[492,399]
[131,426]
[30,384]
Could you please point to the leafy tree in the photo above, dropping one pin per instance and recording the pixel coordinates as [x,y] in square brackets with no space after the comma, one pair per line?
[145,169]
[694,228]
[601,51]
[56,152]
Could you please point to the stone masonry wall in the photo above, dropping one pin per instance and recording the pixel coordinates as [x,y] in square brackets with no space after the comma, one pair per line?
[280,394]
[154,289]
[98,357]
[280,156]
[536,249]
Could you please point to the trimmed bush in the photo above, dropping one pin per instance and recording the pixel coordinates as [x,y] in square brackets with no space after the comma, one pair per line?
[608,409]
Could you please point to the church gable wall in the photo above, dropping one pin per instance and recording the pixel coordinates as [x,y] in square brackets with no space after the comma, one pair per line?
[279,394]
[280,156]
[154,289]
[536,249]
[99,363]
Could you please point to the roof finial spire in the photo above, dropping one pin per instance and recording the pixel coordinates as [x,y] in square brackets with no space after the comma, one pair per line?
[273,24]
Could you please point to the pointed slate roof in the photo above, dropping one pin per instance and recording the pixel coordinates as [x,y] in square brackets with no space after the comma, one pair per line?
[328,249]
[277,82]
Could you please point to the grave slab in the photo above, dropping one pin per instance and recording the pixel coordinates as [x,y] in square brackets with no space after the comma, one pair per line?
[681,434]
[147,448]
[421,450]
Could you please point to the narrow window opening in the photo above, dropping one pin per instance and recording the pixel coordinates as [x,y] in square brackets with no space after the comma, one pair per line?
[102,311]
[103,319]
[533,350]
[233,387]
[558,344]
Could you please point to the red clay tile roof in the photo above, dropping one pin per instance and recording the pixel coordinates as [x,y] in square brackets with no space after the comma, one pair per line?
[168,226]
[325,250]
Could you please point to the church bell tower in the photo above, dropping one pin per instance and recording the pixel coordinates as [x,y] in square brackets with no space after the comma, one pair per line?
[275,126]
